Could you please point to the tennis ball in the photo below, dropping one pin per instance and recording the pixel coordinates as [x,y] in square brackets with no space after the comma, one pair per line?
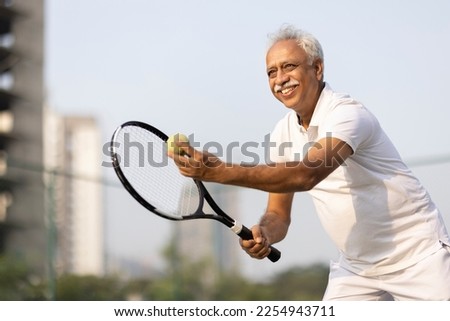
[172,147]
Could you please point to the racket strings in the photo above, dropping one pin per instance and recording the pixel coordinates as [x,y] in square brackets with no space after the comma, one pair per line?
[143,159]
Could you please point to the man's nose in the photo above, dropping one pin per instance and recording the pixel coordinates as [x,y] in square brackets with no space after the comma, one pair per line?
[281,77]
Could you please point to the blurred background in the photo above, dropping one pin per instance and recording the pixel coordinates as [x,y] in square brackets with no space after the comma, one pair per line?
[72,71]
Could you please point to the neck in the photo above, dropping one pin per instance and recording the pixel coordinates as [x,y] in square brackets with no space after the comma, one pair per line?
[304,121]
[305,116]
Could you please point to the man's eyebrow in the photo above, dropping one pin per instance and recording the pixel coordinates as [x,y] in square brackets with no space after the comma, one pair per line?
[276,64]
[282,63]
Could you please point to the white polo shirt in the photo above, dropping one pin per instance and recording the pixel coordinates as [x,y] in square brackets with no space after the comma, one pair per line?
[376,212]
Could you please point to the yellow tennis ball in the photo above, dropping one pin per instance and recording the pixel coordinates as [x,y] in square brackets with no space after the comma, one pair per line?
[172,147]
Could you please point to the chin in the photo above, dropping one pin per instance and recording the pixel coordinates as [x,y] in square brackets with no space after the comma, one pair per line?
[290,104]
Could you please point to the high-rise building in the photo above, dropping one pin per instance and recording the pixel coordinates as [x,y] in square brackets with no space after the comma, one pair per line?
[23,218]
[72,157]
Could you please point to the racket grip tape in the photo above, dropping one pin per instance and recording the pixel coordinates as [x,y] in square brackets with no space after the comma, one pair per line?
[246,234]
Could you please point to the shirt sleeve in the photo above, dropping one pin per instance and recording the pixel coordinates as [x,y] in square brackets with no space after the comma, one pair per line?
[353,124]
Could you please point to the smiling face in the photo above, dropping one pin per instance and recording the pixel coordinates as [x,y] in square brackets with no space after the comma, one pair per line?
[293,79]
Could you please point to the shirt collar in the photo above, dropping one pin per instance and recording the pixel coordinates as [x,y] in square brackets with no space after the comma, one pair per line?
[320,108]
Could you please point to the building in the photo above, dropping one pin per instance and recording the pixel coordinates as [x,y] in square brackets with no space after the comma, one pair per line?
[23,218]
[73,171]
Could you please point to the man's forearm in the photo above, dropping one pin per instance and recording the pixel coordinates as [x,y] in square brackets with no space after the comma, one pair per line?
[277,178]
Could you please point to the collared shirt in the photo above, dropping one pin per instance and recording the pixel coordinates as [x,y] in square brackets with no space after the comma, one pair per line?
[374,209]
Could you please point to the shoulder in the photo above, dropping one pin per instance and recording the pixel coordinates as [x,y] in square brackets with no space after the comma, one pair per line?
[342,107]
[347,119]
[335,100]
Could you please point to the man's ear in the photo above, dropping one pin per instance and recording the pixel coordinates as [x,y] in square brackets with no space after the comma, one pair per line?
[318,67]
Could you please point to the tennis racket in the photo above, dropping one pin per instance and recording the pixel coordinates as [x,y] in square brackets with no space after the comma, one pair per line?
[139,156]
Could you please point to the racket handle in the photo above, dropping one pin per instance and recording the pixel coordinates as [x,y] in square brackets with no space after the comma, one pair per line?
[246,234]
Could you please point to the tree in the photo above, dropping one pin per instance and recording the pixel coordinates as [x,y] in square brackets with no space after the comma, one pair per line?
[89,288]
[301,283]
[17,283]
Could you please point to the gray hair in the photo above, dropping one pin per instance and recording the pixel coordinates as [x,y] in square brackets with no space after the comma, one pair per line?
[305,40]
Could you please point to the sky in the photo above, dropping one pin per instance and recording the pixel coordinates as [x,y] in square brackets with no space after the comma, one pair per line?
[198,67]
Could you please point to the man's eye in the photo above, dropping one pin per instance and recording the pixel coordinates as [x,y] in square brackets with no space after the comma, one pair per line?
[289,67]
[271,73]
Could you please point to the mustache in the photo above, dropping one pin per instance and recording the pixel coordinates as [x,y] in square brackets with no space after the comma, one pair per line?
[290,83]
